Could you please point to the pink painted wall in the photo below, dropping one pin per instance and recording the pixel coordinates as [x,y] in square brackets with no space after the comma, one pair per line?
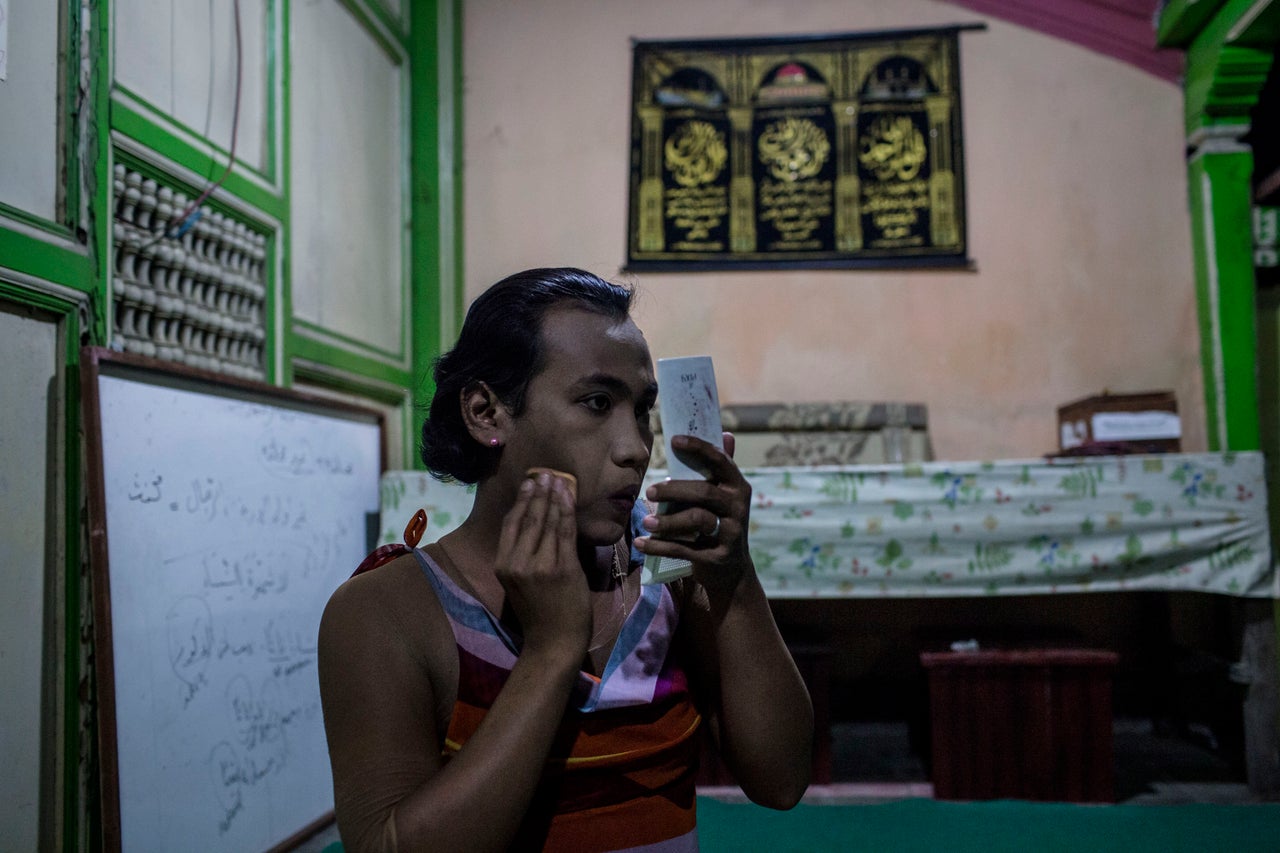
[1077,222]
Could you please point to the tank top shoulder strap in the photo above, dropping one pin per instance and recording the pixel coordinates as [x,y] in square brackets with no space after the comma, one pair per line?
[459,605]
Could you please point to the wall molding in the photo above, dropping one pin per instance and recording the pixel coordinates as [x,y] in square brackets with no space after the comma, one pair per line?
[336,340]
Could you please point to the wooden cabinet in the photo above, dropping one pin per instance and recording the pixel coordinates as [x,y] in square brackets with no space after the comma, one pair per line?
[1031,724]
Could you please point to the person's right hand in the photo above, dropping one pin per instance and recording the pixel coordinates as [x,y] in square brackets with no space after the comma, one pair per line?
[537,565]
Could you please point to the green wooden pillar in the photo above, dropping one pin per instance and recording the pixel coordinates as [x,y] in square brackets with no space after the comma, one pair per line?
[1218,183]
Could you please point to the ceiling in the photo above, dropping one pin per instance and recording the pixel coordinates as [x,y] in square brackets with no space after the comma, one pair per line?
[1122,29]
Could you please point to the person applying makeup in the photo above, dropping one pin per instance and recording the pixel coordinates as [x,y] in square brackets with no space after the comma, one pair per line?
[513,686]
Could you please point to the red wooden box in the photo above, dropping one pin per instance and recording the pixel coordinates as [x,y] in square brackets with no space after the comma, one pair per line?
[1030,724]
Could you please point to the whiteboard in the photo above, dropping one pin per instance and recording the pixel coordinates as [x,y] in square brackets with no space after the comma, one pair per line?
[223,521]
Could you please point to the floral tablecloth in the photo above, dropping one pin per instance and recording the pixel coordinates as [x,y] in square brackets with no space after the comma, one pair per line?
[1009,527]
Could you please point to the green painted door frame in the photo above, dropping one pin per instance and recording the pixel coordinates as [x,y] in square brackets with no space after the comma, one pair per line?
[435,115]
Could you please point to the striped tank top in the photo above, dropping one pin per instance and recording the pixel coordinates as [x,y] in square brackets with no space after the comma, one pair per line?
[620,776]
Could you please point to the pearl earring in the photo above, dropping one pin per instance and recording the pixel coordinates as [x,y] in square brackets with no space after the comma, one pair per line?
[493,442]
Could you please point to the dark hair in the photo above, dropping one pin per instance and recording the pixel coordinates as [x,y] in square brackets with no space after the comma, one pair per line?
[501,345]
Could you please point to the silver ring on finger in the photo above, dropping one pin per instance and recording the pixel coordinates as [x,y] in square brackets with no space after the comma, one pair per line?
[711,538]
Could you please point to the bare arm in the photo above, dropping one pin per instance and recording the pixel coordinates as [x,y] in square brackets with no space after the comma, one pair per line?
[381,691]
[760,710]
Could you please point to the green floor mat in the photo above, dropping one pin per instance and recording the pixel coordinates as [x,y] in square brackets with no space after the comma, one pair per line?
[989,827]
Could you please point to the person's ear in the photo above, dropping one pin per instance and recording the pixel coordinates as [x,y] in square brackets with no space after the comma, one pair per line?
[485,416]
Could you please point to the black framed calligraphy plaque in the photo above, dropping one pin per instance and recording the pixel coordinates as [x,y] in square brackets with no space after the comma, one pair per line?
[835,151]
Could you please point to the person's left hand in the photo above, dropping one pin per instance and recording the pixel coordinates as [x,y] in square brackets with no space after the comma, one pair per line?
[706,521]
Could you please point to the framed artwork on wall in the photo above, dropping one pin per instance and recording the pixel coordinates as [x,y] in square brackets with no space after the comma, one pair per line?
[825,151]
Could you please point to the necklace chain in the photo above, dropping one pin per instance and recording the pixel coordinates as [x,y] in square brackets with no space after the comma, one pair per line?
[620,583]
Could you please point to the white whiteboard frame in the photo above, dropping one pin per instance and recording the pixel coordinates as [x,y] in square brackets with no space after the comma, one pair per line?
[98,362]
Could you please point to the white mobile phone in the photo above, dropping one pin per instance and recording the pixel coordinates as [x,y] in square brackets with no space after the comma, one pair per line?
[688,404]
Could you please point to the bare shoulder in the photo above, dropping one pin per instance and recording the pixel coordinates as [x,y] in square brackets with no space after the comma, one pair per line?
[389,614]
[396,572]
[371,593]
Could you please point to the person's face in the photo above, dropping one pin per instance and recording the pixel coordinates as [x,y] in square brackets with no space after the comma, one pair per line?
[587,413]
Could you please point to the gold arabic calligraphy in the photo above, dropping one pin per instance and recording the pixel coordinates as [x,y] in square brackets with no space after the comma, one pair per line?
[695,153]
[893,148]
[793,149]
